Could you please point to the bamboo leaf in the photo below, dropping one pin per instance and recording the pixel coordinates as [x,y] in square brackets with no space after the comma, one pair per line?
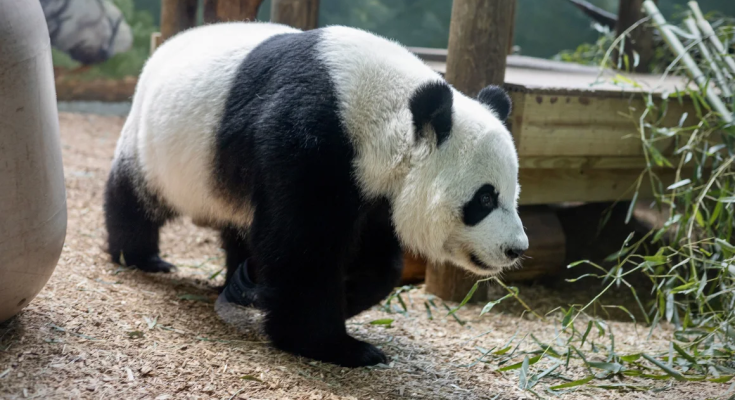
[679,184]
[675,374]
[573,383]
[523,376]
[531,361]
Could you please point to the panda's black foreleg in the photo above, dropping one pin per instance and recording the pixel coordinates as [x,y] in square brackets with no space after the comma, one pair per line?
[132,225]
[301,286]
[235,244]
[377,267]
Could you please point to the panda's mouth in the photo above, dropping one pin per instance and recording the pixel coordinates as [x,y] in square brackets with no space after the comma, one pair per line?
[476,260]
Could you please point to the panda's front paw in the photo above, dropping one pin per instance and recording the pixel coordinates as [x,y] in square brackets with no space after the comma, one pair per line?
[154,264]
[352,353]
[362,354]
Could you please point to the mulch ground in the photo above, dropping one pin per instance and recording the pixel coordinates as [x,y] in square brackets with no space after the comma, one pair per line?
[99,331]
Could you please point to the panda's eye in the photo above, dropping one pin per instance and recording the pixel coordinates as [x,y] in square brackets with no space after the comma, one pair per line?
[486,200]
[483,202]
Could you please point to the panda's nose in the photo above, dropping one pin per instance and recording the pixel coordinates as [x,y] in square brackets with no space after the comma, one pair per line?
[514,253]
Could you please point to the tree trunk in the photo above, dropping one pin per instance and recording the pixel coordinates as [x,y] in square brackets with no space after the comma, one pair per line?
[176,16]
[479,41]
[479,38]
[640,40]
[301,14]
[230,10]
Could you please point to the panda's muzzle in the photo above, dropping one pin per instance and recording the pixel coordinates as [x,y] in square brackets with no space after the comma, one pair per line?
[476,260]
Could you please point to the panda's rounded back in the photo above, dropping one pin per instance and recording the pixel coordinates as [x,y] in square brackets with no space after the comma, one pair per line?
[176,111]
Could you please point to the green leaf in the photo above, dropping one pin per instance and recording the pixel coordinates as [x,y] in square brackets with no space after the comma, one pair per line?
[466,298]
[674,373]
[523,377]
[716,212]
[624,386]
[725,245]
[573,383]
[631,357]
[587,332]
[612,367]
[384,321]
[250,378]
[679,184]
[722,379]
[730,199]
[531,361]
[699,218]
[683,353]
[567,318]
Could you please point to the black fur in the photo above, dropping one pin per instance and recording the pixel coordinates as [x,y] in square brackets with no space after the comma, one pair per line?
[431,104]
[319,252]
[374,270]
[282,146]
[497,99]
[133,217]
[474,210]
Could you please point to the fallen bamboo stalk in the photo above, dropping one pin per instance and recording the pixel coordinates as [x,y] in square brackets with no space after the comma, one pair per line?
[710,33]
[673,41]
[724,86]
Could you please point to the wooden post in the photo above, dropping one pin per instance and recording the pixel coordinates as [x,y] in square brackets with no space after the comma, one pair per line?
[301,14]
[230,10]
[479,40]
[176,16]
[640,39]
[479,35]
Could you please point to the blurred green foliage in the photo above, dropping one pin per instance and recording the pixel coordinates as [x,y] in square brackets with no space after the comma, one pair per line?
[544,28]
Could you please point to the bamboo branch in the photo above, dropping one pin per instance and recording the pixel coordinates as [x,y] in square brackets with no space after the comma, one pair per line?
[673,41]
[724,86]
[710,33]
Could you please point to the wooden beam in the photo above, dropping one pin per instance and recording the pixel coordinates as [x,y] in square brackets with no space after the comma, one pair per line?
[580,125]
[230,10]
[301,14]
[176,16]
[479,36]
[479,40]
[640,39]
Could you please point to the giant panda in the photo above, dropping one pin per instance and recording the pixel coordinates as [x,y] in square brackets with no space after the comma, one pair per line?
[320,156]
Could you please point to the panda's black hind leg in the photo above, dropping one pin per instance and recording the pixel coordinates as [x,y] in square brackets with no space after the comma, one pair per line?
[132,225]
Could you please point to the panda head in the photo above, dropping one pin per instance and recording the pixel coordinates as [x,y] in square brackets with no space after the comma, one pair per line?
[458,200]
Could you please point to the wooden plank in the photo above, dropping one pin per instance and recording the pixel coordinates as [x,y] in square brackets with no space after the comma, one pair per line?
[587,126]
[301,14]
[545,186]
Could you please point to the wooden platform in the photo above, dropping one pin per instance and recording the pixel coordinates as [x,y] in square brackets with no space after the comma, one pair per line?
[569,124]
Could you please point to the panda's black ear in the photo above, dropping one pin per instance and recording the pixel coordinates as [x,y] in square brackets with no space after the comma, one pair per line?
[431,104]
[497,99]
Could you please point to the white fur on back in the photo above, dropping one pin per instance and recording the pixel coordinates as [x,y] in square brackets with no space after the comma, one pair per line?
[177,108]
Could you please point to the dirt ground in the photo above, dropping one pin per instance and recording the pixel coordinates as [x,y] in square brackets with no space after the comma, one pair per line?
[100,331]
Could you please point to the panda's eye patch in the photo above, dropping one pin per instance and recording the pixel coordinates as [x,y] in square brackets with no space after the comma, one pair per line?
[484,201]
